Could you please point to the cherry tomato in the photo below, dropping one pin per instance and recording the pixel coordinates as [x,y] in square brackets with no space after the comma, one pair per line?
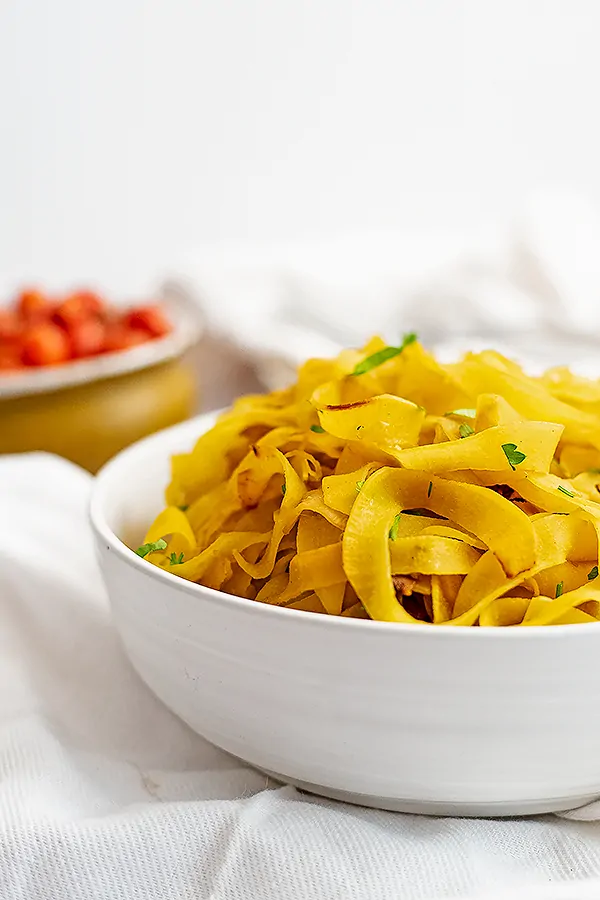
[10,358]
[38,331]
[45,345]
[120,337]
[76,308]
[150,319]
[91,302]
[87,337]
[10,326]
[33,306]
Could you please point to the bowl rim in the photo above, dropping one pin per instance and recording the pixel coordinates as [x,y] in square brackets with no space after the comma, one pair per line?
[109,474]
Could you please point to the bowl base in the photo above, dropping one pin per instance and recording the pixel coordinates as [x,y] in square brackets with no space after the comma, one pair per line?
[485,810]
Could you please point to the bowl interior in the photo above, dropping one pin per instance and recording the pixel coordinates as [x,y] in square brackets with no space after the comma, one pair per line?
[131,488]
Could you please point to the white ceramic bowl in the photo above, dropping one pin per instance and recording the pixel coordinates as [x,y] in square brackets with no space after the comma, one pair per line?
[458,721]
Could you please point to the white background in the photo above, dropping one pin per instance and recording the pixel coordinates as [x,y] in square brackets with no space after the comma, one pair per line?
[133,130]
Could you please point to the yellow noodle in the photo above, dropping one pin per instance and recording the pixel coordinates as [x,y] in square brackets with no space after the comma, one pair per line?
[387,485]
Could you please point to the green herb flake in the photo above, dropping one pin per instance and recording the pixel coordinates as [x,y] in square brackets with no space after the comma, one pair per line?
[283,488]
[317,429]
[394,528]
[429,489]
[593,573]
[152,547]
[175,560]
[360,484]
[381,356]
[565,490]
[559,590]
[514,456]
[184,508]
[465,430]
[466,413]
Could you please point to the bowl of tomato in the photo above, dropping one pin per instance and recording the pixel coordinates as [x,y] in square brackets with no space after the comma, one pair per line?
[82,377]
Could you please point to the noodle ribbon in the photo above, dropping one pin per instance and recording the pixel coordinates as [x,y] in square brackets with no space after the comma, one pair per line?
[387,485]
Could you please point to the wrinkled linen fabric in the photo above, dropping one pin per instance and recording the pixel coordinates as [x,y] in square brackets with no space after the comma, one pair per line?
[105,794]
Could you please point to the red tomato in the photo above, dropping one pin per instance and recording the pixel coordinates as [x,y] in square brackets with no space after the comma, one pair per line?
[45,345]
[150,319]
[87,337]
[91,302]
[10,358]
[78,307]
[120,337]
[33,306]
[39,332]
[10,327]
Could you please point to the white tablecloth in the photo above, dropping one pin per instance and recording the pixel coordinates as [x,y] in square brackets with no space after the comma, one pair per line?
[105,795]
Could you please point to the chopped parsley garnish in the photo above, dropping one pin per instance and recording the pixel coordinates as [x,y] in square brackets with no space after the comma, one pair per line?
[283,488]
[465,430]
[514,456]
[593,573]
[381,356]
[360,484]
[429,489]
[467,413]
[394,528]
[565,490]
[184,508]
[317,429]
[175,560]
[151,547]
[559,589]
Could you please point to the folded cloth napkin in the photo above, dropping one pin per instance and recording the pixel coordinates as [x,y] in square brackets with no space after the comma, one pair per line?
[104,794]
[531,289]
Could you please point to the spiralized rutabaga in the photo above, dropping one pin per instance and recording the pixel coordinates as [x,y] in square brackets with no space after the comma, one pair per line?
[385,485]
